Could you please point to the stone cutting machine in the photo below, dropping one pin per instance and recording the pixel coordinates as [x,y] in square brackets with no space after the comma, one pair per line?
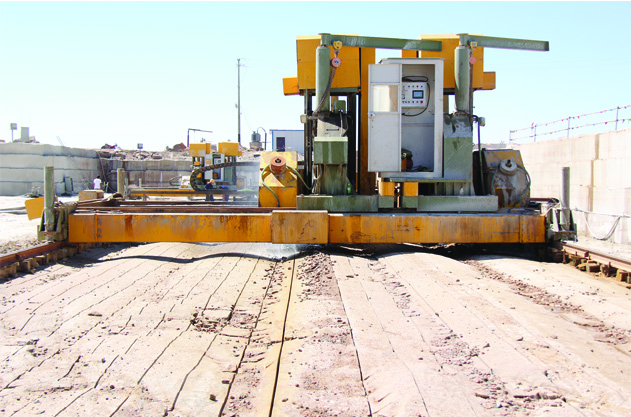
[387,160]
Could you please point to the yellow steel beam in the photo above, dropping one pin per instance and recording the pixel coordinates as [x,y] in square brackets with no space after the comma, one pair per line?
[436,228]
[116,227]
[307,227]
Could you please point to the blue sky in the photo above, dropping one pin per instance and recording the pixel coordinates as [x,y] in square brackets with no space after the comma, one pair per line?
[127,73]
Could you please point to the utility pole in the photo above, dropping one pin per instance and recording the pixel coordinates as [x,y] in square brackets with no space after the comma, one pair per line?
[239,97]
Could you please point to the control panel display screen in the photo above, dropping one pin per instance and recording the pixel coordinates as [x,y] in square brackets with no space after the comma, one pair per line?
[413,94]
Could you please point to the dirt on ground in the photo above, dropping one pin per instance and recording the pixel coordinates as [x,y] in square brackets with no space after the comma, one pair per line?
[243,330]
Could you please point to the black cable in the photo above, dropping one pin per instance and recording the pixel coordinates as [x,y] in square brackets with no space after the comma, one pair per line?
[411,78]
[429,94]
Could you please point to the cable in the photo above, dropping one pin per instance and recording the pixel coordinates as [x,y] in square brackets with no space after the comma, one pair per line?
[316,178]
[608,235]
[429,94]
[267,168]
[421,78]
[526,189]
[292,169]
[326,92]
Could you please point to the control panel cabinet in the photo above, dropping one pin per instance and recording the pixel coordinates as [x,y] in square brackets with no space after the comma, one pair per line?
[406,116]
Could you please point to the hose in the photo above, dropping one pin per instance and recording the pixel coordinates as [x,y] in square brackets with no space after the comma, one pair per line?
[292,169]
[326,92]
[526,189]
[267,169]
[316,178]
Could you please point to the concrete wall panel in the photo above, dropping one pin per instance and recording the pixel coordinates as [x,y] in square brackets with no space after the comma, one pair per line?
[614,144]
[598,176]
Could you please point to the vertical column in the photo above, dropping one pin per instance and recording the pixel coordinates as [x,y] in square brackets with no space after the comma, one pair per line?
[49,198]
[565,198]
[462,68]
[366,179]
[323,69]
[120,181]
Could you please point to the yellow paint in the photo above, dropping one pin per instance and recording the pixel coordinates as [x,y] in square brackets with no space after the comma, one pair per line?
[284,185]
[290,86]
[435,228]
[307,227]
[161,227]
[300,227]
[410,189]
[532,229]
[286,191]
[407,53]
[367,179]
[481,80]
[229,148]
[347,75]
[34,207]
[386,188]
[197,149]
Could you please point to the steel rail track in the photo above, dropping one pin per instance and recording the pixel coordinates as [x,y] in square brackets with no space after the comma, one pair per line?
[27,260]
[32,252]
[610,261]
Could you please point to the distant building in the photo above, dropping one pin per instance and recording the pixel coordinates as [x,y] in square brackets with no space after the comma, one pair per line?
[288,140]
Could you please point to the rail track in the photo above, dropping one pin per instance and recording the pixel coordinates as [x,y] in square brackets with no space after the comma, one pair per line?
[29,259]
[590,260]
[585,259]
[182,329]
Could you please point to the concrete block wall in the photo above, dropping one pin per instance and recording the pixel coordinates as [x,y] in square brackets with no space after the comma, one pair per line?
[153,173]
[22,167]
[599,178]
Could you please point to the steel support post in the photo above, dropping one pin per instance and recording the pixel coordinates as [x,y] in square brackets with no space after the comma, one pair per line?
[49,198]
[323,69]
[565,198]
[463,78]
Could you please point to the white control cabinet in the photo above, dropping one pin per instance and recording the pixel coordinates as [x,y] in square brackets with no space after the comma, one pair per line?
[405,111]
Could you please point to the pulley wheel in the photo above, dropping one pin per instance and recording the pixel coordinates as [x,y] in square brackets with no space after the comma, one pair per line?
[508,167]
[277,165]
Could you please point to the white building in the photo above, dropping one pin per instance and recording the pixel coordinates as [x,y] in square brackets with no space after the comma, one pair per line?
[288,140]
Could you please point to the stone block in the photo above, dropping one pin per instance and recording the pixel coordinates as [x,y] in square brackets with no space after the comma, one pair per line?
[90,195]
[612,172]
[615,144]
[608,201]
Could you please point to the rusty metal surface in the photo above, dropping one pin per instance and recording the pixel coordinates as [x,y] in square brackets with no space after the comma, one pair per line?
[181,209]
[88,227]
[600,257]
[17,256]
[434,228]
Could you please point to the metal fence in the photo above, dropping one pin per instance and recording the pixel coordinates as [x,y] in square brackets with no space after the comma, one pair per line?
[586,123]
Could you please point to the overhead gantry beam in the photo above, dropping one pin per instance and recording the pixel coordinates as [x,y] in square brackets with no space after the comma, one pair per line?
[382,43]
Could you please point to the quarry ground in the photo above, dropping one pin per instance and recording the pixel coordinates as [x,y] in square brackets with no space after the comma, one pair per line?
[256,329]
